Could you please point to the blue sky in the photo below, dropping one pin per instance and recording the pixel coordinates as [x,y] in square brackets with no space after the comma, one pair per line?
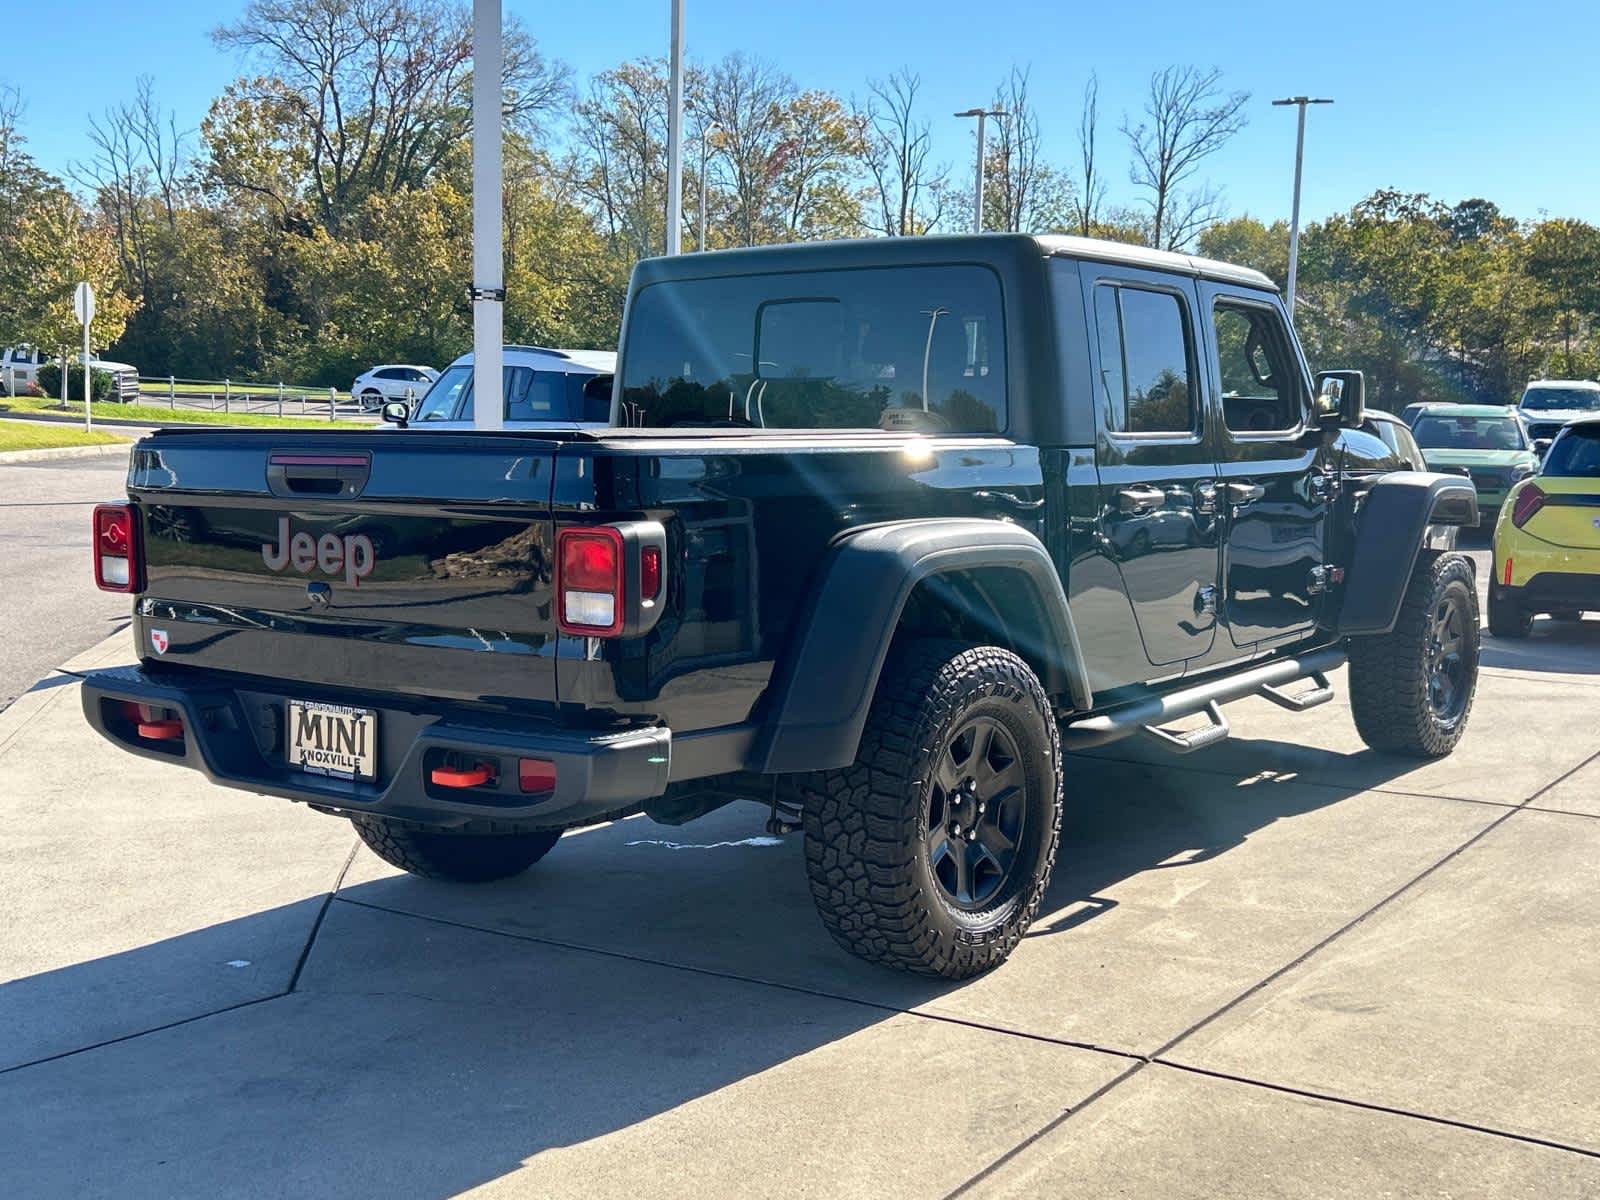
[1460,99]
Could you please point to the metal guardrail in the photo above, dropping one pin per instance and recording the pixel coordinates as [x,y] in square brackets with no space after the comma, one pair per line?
[266,399]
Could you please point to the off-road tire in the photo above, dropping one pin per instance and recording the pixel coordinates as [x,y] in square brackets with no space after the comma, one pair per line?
[470,857]
[1389,679]
[1507,618]
[866,855]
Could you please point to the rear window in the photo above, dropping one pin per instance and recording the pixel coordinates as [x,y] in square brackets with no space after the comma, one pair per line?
[918,348]
[1576,453]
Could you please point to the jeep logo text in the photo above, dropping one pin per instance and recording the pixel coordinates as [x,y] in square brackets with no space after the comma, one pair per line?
[351,555]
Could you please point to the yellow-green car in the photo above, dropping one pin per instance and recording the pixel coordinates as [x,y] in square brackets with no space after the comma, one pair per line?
[1547,540]
[1485,441]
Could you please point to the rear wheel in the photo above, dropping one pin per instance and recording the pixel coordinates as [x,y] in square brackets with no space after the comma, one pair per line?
[371,400]
[470,857]
[1507,618]
[932,852]
[1411,689]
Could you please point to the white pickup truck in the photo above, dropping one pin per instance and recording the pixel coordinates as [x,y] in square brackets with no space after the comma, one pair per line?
[19,367]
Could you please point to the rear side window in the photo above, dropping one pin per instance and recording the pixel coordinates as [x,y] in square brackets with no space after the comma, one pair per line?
[1146,360]
[1576,453]
[919,348]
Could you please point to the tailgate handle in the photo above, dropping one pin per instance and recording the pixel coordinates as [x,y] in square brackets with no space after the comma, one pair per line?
[332,475]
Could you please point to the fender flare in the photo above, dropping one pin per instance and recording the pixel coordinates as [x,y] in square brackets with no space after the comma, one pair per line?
[825,682]
[1397,518]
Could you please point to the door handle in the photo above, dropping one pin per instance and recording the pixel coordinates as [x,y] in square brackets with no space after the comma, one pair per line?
[1205,497]
[1140,499]
[1245,493]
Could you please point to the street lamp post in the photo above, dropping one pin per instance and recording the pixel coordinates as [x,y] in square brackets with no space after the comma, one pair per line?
[977,200]
[488,291]
[675,134]
[1299,157]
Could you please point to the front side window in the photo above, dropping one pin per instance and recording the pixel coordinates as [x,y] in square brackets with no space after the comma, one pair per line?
[1435,432]
[915,348]
[1262,388]
[1146,358]
[1576,453]
[445,396]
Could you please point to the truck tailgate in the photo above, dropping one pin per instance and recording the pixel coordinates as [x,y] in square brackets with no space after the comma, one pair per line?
[411,562]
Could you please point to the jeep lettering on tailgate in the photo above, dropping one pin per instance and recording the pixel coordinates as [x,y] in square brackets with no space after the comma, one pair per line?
[351,555]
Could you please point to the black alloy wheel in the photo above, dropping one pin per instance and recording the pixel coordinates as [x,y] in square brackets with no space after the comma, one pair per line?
[977,811]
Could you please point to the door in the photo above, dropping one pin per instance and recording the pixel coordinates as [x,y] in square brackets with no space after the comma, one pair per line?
[1157,504]
[1273,470]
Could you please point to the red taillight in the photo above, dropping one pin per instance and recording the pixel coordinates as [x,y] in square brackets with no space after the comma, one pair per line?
[1529,501]
[589,581]
[116,548]
[649,573]
[536,775]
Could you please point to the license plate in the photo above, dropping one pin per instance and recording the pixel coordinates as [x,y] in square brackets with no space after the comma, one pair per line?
[333,739]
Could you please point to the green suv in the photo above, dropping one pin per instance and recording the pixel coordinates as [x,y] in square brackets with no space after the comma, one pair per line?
[1485,441]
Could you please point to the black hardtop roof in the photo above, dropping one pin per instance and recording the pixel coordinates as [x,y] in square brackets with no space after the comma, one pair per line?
[993,249]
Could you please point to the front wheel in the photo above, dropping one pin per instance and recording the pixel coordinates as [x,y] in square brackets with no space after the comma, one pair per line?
[371,401]
[1411,689]
[931,853]
[460,857]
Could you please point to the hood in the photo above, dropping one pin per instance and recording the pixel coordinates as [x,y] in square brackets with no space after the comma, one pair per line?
[1479,458]
[1546,415]
[103,364]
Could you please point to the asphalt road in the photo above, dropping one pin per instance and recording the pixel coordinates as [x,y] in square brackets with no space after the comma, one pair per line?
[52,609]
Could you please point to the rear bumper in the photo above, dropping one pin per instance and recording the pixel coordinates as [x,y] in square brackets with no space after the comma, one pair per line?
[234,737]
[1553,590]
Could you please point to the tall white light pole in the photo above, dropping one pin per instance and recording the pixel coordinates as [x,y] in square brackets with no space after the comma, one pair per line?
[1299,158]
[488,269]
[977,200]
[675,135]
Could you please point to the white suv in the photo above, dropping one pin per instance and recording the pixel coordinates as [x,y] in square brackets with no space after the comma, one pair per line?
[543,388]
[1548,404]
[392,381]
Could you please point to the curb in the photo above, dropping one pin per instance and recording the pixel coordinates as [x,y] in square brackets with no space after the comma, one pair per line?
[105,450]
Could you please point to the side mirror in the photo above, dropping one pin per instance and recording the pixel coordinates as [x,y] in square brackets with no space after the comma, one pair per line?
[1541,446]
[1341,399]
[397,412]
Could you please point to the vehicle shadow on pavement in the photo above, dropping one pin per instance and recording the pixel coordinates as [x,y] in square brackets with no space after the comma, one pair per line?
[439,1037]
[1558,647]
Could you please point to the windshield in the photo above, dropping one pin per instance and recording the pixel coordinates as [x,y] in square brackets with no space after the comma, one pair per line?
[1576,453]
[1468,433]
[530,395]
[880,348]
[1546,399]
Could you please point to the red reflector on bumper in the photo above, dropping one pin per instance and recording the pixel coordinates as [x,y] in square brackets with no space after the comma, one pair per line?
[455,777]
[536,775]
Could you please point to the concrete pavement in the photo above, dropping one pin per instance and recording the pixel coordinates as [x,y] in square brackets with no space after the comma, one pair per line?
[52,608]
[1284,967]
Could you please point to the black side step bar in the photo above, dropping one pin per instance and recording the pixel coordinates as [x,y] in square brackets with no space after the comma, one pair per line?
[1149,714]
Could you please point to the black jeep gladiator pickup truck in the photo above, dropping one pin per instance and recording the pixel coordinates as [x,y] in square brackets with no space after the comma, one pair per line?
[880,529]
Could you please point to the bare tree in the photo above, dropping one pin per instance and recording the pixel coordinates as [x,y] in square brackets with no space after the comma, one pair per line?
[1021,190]
[747,99]
[380,88]
[906,190]
[1188,118]
[621,134]
[1091,193]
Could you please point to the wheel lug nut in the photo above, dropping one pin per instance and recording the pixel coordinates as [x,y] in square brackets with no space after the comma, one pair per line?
[955,831]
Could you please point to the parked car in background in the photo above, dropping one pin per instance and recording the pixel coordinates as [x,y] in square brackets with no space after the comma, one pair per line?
[1487,440]
[19,368]
[1548,404]
[1547,541]
[392,381]
[1411,412]
[1395,433]
[543,388]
